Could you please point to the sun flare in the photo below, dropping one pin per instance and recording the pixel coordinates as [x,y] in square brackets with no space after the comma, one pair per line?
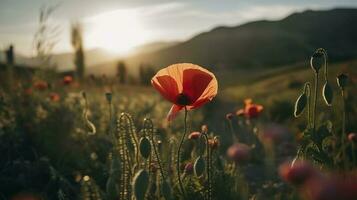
[116,31]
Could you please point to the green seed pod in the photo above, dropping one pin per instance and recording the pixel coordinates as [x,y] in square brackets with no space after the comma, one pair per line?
[140,184]
[327,93]
[342,80]
[145,147]
[300,104]
[199,166]
[112,189]
[317,60]
[166,190]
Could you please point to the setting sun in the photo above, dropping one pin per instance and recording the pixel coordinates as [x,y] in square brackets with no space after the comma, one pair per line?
[117,31]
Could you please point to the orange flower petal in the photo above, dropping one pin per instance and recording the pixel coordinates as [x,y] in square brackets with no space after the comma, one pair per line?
[167,87]
[175,109]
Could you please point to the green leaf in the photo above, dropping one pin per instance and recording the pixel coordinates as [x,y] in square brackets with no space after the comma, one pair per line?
[300,104]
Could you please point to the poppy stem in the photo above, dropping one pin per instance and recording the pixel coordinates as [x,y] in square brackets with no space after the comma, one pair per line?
[179,155]
[315,102]
[208,169]
[234,137]
[151,127]
[343,130]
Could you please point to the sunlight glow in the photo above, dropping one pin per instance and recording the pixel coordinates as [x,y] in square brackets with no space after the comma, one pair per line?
[117,31]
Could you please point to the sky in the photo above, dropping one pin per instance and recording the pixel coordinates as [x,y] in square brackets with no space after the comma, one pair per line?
[120,25]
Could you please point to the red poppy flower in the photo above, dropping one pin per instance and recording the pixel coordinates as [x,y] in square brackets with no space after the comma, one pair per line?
[55,97]
[41,85]
[352,137]
[67,80]
[194,135]
[250,110]
[186,86]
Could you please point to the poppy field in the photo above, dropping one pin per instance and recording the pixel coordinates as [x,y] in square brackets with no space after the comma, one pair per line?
[190,134]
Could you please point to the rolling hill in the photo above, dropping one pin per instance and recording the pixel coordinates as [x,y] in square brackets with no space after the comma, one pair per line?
[264,43]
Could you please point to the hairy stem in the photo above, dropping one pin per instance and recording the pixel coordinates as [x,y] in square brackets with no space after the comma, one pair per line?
[179,155]
[315,102]
[208,169]
[154,146]
[343,134]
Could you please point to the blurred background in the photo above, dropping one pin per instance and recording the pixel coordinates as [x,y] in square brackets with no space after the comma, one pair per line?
[51,51]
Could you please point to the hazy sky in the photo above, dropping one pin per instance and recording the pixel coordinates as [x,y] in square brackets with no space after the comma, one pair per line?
[121,24]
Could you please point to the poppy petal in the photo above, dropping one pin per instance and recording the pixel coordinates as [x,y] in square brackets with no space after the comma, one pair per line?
[208,94]
[175,109]
[167,87]
[195,82]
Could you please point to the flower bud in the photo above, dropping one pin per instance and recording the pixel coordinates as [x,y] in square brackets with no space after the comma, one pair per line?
[352,137]
[342,80]
[317,60]
[145,147]
[204,128]
[140,184]
[327,93]
[300,104]
[229,116]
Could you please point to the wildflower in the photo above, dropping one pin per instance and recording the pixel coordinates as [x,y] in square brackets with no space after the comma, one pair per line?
[229,116]
[41,85]
[213,143]
[204,128]
[54,97]
[352,137]
[67,80]
[186,85]
[239,152]
[194,135]
[250,110]
[298,173]
[189,168]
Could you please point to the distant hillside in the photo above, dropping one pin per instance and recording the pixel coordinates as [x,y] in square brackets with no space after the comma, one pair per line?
[93,57]
[264,43]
